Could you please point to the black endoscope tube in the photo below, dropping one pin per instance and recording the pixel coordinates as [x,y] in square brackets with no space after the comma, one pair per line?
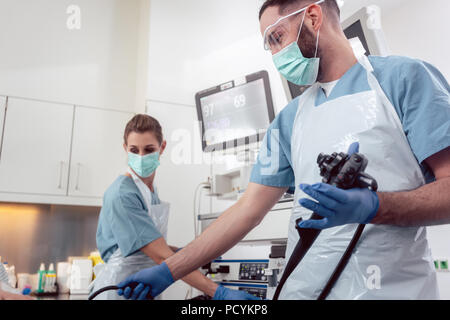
[307,239]
[342,263]
[373,185]
[96,293]
[110,288]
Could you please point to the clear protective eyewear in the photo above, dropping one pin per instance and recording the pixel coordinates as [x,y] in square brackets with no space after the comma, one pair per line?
[277,36]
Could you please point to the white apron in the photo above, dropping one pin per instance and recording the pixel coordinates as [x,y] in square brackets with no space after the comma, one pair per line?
[118,268]
[389,262]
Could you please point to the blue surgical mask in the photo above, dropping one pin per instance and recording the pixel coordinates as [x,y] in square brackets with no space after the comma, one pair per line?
[144,166]
[292,65]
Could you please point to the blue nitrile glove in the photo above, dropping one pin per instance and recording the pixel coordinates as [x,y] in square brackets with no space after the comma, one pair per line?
[223,293]
[154,280]
[354,148]
[338,206]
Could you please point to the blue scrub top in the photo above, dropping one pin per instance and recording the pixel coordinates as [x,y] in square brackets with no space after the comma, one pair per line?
[124,221]
[416,89]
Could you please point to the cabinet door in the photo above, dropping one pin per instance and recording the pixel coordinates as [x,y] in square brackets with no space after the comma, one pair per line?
[36,147]
[98,157]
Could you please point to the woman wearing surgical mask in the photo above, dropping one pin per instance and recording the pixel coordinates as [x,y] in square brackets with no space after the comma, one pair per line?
[132,228]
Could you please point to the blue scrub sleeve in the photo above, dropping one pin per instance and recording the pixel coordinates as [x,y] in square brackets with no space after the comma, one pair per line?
[425,103]
[273,167]
[131,224]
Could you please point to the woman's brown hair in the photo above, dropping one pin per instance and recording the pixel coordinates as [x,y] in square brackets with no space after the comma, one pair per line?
[143,123]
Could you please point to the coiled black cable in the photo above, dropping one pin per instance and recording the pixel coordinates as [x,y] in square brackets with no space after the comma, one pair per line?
[96,293]
[109,288]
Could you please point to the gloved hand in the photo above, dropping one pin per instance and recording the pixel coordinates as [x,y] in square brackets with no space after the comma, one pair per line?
[354,148]
[154,280]
[223,293]
[338,207]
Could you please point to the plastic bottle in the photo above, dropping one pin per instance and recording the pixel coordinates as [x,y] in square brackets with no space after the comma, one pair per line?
[6,267]
[50,279]
[12,276]
[41,279]
[3,274]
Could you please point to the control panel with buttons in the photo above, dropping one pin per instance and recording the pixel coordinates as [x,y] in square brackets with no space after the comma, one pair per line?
[249,270]
[257,292]
[253,271]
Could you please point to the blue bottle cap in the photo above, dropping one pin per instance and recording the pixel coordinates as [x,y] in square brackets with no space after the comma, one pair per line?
[26,291]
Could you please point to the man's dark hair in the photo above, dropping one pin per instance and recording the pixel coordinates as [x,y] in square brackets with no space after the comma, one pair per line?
[330,6]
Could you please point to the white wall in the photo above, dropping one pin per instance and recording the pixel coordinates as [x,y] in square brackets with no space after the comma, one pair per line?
[413,31]
[96,65]
[197,44]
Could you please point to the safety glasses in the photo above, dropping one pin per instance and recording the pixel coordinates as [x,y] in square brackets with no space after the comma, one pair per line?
[278,35]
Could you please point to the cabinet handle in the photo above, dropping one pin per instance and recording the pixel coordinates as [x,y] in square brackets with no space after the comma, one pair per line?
[78,177]
[2,132]
[61,166]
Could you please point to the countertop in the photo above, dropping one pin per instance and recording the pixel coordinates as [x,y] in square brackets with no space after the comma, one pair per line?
[65,296]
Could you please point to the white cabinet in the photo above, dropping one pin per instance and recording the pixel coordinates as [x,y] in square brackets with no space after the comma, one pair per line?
[98,156]
[36,147]
[57,153]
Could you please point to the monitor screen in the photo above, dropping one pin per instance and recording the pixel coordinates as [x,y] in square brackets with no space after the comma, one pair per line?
[356,31]
[234,114]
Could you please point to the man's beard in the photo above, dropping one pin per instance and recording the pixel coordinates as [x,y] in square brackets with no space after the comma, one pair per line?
[307,43]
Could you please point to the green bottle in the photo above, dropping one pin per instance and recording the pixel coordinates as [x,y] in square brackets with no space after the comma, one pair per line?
[41,278]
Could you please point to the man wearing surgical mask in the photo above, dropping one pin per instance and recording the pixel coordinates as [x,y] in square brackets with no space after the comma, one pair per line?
[396,109]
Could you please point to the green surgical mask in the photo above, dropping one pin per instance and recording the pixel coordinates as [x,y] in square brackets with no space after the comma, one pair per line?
[297,69]
[144,166]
